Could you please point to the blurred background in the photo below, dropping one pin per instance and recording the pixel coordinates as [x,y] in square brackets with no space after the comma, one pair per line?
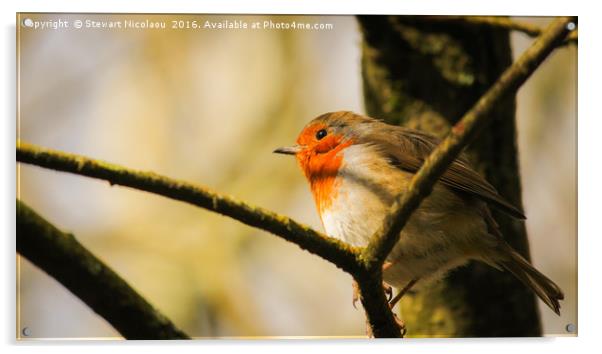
[209,106]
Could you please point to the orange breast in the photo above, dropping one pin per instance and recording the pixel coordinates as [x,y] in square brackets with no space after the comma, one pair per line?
[321,171]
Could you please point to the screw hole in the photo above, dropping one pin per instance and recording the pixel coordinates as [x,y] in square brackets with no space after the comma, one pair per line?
[570,26]
[26,331]
[28,22]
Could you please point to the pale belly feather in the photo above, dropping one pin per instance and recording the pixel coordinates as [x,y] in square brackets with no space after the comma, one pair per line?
[443,233]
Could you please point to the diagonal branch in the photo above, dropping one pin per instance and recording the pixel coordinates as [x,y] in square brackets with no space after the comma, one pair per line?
[341,254]
[61,256]
[461,134]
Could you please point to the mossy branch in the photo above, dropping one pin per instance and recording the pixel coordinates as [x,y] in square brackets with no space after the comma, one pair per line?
[61,256]
[461,134]
[339,253]
[333,250]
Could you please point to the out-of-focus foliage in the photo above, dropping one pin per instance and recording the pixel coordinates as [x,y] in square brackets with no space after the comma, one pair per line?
[547,138]
[209,106]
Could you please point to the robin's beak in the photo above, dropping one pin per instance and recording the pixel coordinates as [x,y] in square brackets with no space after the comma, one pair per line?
[288,150]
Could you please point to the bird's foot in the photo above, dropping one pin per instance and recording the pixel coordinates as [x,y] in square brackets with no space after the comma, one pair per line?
[392,302]
[388,289]
[401,324]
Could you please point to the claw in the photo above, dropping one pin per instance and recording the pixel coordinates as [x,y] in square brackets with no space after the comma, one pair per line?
[387,265]
[388,289]
[356,294]
[400,324]
[392,302]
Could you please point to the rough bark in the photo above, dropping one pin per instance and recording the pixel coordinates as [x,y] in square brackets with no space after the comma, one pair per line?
[426,75]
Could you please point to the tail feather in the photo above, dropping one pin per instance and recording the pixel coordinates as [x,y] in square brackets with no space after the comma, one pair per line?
[545,288]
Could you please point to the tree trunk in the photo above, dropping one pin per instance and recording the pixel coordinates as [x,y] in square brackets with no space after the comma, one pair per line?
[425,74]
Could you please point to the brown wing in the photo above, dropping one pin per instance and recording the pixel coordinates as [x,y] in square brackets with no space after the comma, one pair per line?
[411,147]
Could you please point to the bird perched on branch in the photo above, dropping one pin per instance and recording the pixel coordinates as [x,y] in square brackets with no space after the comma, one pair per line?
[356,166]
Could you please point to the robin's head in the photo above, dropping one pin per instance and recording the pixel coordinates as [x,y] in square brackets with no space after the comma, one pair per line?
[319,150]
[321,140]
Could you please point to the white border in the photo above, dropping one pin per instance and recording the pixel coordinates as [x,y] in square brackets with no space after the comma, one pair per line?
[463,7]
[589,178]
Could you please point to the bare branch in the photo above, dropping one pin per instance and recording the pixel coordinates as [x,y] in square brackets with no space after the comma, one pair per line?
[375,303]
[500,22]
[435,165]
[104,291]
[331,249]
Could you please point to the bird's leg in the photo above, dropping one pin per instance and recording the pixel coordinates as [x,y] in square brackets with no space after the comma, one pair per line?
[402,292]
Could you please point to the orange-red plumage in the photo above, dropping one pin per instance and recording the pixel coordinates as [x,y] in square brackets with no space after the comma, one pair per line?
[320,163]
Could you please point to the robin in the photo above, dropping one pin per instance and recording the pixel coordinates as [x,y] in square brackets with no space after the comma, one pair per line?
[357,165]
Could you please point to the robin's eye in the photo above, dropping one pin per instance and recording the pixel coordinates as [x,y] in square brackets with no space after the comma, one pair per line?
[321,133]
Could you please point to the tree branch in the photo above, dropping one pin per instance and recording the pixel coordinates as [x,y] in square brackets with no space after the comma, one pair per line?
[341,254]
[500,22]
[461,134]
[61,256]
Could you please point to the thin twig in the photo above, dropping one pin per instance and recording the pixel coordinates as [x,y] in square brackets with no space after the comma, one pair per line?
[331,249]
[62,257]
[500,22]
[461,134]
